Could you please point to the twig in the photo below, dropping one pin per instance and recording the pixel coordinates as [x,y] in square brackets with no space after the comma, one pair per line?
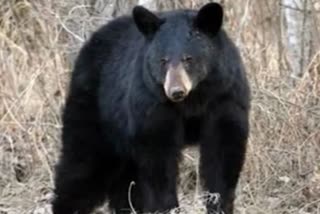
[129,197]
[242,22]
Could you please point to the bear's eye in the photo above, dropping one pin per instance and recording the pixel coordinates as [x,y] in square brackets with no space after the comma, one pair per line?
[164,61]
[187,59]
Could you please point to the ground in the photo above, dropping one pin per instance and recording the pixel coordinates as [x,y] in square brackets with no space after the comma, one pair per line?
[38,42]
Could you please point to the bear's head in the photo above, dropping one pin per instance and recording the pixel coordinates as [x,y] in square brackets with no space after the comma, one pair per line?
[179,47]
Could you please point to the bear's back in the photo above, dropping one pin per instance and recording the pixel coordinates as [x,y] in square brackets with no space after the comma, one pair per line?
[117,35]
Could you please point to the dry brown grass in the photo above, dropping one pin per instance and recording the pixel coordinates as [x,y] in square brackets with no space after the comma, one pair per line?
[38,42]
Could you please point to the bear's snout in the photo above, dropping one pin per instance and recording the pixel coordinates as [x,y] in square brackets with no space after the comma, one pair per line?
[177,84]
[177,94]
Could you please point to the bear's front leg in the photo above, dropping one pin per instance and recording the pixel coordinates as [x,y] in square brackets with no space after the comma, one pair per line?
[222,152]
[157,154]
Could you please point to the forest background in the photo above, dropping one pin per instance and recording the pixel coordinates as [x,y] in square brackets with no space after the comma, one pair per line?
[280,44]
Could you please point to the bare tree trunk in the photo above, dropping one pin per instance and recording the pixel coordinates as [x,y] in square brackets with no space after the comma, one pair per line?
[297,34]
[150,4]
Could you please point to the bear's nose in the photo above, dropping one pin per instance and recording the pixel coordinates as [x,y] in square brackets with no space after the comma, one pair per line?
[178,94]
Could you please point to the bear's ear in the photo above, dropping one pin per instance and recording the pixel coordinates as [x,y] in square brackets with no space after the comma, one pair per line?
[209,18]
[146,21]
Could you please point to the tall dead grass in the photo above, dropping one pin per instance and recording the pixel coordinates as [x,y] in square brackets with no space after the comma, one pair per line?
[38,42]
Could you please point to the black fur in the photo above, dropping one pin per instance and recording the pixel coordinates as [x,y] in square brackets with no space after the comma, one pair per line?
[119,127]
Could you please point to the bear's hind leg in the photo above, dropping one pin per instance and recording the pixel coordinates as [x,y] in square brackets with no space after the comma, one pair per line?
[79,188]
[158,151]
[123,194]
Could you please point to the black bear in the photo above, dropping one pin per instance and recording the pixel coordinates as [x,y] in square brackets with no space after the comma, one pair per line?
[144,87]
